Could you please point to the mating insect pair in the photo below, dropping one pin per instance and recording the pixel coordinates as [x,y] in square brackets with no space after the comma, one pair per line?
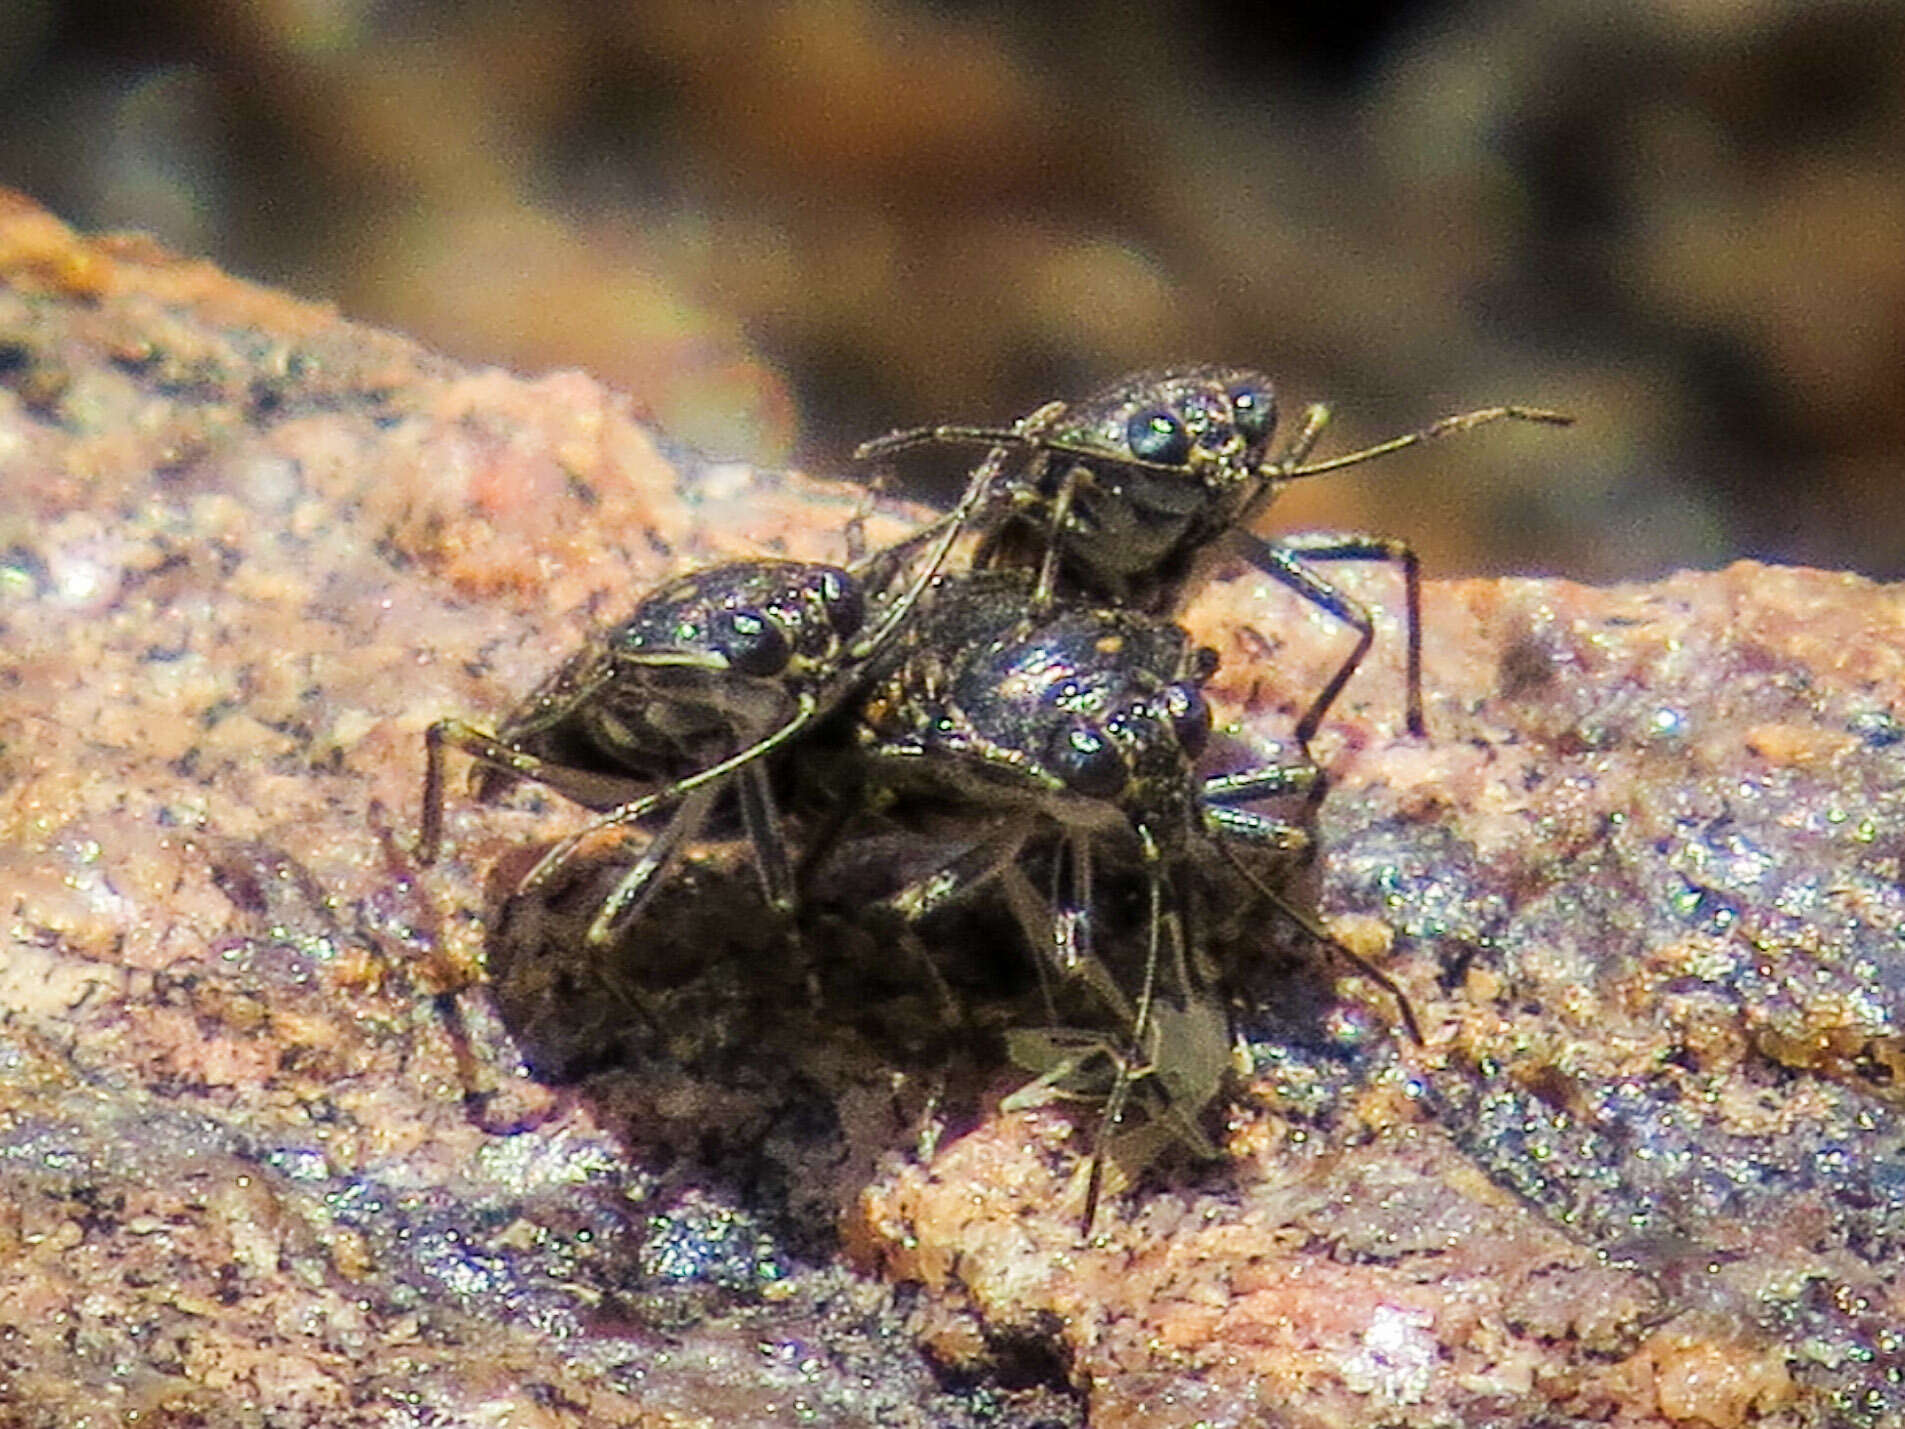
[1046,694]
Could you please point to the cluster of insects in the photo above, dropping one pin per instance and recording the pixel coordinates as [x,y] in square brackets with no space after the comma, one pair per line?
[1040,701]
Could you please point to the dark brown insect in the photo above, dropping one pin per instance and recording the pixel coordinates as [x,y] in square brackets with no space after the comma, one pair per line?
[1070,739]
[1124,497]
[683,700]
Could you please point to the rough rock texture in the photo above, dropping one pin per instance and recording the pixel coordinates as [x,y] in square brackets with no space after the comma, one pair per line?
[270,1151]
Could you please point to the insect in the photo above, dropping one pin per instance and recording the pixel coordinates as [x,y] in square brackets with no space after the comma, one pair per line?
[681,701]
[1073,736]
[1124,496]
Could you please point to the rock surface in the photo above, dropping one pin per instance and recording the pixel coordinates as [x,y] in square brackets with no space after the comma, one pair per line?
[271,1152]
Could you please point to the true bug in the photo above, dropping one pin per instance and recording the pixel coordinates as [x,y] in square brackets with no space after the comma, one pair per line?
[711,672]
[1073,736]
[1123,496]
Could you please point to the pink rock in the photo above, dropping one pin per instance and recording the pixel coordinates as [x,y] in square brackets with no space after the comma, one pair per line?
[268,1150]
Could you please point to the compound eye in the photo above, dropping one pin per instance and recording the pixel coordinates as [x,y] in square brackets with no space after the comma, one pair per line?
[1087,762]
[1255,412]
[1189,713]
[840,594]
[1158,437]
[750,642]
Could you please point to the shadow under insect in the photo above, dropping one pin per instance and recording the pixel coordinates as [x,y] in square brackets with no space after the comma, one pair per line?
[713,980]
[783,1063]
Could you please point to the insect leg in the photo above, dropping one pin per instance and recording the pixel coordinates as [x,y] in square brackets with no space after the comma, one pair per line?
[979,489]
[1282,560]
[1057,952]
[1132,1064]
[583,786]
[848,803]
[430,836]
[1268,781]
[1355,546]
[1059,1056]
[762,821]
[1294,464]
[1314,927]
[960,875]
[1043,592]
[1060,937]
[716,774]
[1221,792]
[643,879]
[1070,913]
[964,873]
[1258,830]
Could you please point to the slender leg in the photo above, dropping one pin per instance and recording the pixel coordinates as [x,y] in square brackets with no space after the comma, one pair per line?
[963,874]
[960,875]
[1283,561]
[1270,781]
[1060,1056]
[1058,951]
[1044,592]
[949,1005]
[1072,903]
[1355,546]
[715,776]
[762,822]
[1134,1059]
[1260,830]
[1267,781]
[1278,560]
[1314,927]
[430,836]
[1055,938]
[848,802]
[643,879]
[945,531]
[582,786]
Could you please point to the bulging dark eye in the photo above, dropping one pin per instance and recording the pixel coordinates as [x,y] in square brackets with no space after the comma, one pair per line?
[840,594]
[1189,713]
[1157,436]
[1089,763]
[1255,412]
[750,642]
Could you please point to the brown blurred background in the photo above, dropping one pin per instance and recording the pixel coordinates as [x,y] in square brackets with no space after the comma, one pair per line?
[787,227]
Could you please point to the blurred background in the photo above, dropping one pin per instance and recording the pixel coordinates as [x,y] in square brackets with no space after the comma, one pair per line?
[786,227]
